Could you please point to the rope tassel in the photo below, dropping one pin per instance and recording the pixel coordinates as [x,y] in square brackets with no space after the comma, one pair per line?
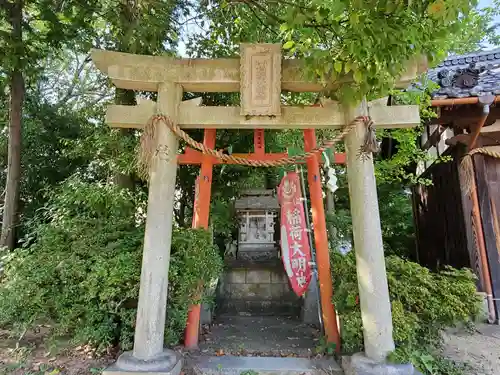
[370,144]
[467,172]
[146,149]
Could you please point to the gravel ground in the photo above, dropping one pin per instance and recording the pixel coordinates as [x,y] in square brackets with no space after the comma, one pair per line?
[480,349]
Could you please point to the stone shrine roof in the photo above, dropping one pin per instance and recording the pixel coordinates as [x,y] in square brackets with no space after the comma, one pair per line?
[258,199]
[474,74]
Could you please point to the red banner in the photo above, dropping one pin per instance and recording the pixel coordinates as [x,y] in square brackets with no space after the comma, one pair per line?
[295,250]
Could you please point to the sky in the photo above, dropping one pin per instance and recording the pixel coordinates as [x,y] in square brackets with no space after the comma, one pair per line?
[483,4]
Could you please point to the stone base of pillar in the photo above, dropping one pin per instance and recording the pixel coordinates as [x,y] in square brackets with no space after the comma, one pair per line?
[168,363]
[359,364]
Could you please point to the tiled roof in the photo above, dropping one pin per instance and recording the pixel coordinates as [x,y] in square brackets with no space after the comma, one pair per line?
[474,74]
[258,199]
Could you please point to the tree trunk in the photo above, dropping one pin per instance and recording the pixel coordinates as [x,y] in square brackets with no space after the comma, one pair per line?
[182,210]
[127,17]
[124,97]
[9,220]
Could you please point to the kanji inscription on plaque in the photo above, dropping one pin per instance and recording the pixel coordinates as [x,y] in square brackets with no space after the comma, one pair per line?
[260,79]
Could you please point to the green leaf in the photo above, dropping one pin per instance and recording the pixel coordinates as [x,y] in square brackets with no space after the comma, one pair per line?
[338,66]
[347,67]
[354,19]
[289,44]
[358,76]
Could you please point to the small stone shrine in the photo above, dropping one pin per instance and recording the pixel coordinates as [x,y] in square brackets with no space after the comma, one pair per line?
[256,211]
[255,282]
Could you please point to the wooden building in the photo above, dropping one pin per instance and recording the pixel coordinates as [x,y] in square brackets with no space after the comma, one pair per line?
[458,217]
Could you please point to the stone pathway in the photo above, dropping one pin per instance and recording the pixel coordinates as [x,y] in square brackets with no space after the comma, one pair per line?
[233,365]
[270,336]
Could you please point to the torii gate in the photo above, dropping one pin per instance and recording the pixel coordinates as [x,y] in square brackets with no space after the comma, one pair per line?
[201,210]
[259,75]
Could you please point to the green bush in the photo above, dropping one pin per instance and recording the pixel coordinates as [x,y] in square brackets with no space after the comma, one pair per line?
[81,269]
[428,361]
[195,262]
[423,303]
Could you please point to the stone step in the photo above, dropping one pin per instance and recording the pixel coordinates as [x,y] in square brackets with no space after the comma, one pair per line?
[258,308]
[233,365]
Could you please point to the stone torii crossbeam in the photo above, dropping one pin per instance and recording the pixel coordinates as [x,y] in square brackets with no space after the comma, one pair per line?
[260,75]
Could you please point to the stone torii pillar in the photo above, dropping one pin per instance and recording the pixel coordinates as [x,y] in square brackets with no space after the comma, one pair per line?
[149,354]
[374,298]
[370,262]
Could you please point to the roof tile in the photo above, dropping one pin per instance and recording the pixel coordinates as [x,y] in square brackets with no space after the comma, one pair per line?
[467,75]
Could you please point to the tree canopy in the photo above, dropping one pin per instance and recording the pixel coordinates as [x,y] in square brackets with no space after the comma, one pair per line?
[367,41]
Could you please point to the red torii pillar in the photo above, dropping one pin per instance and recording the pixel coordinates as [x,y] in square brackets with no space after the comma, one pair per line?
[321,241]
[201,213]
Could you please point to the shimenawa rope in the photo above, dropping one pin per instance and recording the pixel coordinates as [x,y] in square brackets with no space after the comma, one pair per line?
[148,143]
[467,167]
